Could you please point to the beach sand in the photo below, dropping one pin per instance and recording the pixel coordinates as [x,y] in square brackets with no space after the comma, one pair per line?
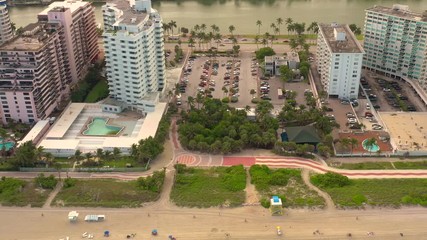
[215,223]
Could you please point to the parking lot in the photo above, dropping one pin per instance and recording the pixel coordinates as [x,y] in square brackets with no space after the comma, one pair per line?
[389,95]
[209,76]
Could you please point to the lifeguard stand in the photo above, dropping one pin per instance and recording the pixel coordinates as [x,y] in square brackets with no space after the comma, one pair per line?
[276,207]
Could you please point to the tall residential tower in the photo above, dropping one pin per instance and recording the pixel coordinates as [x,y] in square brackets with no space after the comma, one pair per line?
[339,60]
[134,52]
[79,33]
[396,42]
[5,25]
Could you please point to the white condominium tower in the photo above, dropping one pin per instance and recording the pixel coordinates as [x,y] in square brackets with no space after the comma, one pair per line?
[339,60]
[5,26]
[395,42]
[134,51]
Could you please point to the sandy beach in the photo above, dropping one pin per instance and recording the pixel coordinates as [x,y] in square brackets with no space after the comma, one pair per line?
[215,223]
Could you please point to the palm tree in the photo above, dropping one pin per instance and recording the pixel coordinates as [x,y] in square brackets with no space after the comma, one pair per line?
[172,25]
[39,153]
[196,28]
[231,29]
[370,143]
[256,39]
[203,27]
[190,101]
[289,22]
[166,28]
[116,153]
[199,100]
[279,21]
[217,38]
[345,143]
[107,154]
[264,42]
[88,155]
[259,23]
[99,154]
[313,27]
[353,143]
[273,26]
[225,90]
[252,92]
[191,42]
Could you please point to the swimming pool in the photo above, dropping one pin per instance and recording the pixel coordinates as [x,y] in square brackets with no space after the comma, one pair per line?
[99,127]
[7,145]
[373,148]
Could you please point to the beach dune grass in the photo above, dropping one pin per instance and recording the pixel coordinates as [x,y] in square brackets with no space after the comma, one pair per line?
[379,192]
[285,183]
[104,193]
[216,186]
[18,192]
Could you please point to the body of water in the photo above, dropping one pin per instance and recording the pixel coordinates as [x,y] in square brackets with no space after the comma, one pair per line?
[243,14]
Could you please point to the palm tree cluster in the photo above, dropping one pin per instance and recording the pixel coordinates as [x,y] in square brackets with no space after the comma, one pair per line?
[170,26]
[200,34]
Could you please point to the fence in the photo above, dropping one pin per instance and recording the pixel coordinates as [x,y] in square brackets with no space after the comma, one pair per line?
[83,170]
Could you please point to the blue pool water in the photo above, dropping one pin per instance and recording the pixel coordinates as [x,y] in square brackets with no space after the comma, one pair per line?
[99,127]
[7,145]
[374,147]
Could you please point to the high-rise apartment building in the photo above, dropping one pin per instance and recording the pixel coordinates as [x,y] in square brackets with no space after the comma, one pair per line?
[79,33]
[396,42]
[38,67]
[5,25]
[134,52]
[30,73]
[339,60]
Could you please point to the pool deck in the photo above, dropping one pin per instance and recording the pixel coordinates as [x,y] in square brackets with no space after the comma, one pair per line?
[65,136]
[384,146]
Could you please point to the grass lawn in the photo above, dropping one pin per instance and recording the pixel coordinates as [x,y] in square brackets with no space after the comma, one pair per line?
[365,165]
[217,186]
[104,193]
[285,183]
[17,192]
[380,192]
[121,163]
[65,162]
[411,165]
[6,166]
[99,91]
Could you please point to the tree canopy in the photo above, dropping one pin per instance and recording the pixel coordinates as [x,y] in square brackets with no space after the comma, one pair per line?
[263,52]
[218,128]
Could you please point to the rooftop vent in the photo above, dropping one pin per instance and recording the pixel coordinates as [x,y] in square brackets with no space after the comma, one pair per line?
[133,20]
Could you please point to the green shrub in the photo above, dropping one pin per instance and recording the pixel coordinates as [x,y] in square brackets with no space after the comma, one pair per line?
[330,180]
[46,182]
[69,182]
[255,100]
[359,199]
[235,178]
[152,183]
[225,100]
[265,202]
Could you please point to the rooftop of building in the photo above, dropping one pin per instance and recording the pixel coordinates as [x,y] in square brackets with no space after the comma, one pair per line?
[349,45]
[130,15]
[401,11]
[33,38]
[73,5]
[290,56]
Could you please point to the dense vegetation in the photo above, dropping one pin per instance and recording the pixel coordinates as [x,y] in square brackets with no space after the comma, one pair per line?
[90,82]
[46,182]
[285,183]
[17,192]
[375,192]
[218,186]
[215,127]
[109,193]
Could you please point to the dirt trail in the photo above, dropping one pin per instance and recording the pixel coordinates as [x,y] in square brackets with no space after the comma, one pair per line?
[164,202]
[53,194]
[329,204]
[251,193]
